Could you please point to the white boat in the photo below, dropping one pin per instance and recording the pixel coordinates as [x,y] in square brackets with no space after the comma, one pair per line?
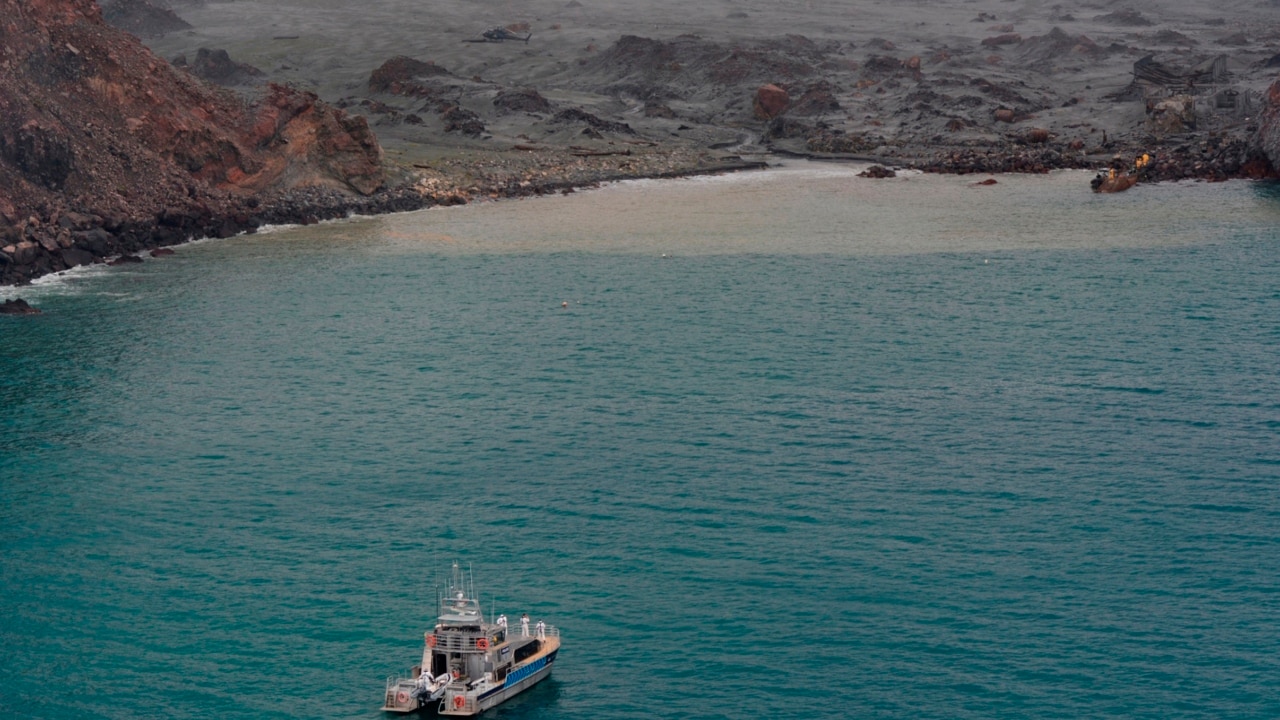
[470,665]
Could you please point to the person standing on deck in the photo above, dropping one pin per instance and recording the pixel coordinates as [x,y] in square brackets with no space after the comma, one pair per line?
[502,621]
[542,630]
[524,624]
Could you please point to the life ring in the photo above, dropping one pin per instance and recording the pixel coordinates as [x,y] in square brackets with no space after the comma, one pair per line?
[482,644]
[431,641]
[459,701]
[402,697]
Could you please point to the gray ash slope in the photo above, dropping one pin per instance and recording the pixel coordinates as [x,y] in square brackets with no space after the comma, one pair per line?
[910,80]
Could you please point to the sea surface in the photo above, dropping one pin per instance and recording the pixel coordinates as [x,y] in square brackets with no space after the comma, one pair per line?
[785,444]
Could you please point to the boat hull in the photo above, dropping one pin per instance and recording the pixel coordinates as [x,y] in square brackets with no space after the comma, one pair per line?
[518,681]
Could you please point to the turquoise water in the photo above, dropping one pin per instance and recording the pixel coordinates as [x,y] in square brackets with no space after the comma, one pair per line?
[800,445]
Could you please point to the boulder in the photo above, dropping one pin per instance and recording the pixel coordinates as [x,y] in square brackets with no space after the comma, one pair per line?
[396,74]
[97,241]
[75,256]
[770,102]
[460,119]
[17,306]
[526,100]
[878,172]
[25,252]
[216,66]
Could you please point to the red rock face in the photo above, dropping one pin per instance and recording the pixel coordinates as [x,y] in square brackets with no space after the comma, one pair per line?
[90,119]
[770,102]
[1268,138]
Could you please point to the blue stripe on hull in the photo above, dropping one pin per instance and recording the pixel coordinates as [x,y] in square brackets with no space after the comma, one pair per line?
[521,674]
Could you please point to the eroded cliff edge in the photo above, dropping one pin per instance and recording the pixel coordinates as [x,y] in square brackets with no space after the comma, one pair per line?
[106,149]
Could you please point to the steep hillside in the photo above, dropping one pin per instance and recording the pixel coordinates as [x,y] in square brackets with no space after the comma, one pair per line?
[106,149]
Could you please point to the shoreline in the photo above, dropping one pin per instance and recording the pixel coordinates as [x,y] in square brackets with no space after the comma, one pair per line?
[293,127]
[59,245]
[115,244]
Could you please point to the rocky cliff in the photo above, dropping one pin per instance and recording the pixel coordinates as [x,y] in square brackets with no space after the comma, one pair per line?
[107,149]
[1268,139]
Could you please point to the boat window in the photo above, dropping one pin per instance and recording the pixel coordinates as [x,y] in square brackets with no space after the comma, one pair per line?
[527,650]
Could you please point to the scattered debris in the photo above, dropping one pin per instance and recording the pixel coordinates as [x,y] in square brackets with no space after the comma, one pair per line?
[501,34]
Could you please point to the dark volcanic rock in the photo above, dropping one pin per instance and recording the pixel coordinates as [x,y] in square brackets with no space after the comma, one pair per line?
[878,172]
[818,99]
[42,153]
[217,66]
[142,18]
[398,73]
[879,66]
[578,115]
[75,256]
[1128,17]
[527,100]
[17,306]
[460,119]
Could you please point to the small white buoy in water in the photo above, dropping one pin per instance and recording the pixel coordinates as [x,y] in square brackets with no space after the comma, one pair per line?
[564,304]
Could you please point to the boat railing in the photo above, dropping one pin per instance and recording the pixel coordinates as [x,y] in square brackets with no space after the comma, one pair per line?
[551,631]
[454,641]
[458,642]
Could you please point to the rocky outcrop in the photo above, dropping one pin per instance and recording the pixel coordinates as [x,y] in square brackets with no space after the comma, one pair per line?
[521,100]
[1268,137]
[401,75]
[216,66]
[770,101]
[106,149]
[17,306]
